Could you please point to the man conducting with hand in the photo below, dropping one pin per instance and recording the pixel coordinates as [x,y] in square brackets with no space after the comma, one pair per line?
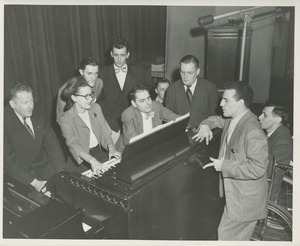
[242,162]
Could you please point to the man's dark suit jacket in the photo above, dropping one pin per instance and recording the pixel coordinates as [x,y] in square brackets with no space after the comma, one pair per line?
[280,144]
[112,99]
[26,158]
[204,103]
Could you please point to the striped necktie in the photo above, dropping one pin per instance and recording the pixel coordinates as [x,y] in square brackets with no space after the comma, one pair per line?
[189,94]
[28,127]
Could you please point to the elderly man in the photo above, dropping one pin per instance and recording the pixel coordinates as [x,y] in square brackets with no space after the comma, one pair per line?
[32,152]
[192,94]
[242,162]
[273,120]
[142,116]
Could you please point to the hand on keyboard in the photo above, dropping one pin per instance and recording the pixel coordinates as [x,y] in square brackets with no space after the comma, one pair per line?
[106,165]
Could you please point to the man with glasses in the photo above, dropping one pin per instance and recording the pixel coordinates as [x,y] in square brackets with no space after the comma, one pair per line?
[192,93]
[89,71]
[142,116]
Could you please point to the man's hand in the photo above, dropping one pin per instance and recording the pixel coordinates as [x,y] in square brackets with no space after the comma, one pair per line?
[38,184]
[216,163]
[203,133]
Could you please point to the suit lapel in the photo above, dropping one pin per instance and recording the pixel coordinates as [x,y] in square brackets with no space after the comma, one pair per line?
[223,139]
[239,128]
[94,123]
[139,118]
[129,80]
[77,120]
[113,83]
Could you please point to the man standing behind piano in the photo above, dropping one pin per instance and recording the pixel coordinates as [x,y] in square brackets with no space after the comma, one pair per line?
[118,79]
[192,94]
[85,129]
[242,163]
[142,116]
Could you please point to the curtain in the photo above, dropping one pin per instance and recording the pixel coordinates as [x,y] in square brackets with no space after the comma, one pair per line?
[43,45]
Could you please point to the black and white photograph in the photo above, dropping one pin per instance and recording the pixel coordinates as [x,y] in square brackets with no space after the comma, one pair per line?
[141,123]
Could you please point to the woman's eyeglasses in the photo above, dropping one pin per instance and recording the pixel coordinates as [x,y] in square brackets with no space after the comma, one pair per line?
[87,96]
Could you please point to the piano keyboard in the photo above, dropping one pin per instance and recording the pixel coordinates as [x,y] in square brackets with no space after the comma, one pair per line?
[110,163]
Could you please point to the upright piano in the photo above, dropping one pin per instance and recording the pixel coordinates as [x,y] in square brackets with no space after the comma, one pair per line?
[159,190]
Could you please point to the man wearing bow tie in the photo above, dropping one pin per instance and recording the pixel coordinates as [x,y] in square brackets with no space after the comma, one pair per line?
[118,79]
[142,116]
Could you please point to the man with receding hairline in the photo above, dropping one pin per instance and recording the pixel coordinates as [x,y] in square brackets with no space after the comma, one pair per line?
[32,152]
[192,94]
[273,120]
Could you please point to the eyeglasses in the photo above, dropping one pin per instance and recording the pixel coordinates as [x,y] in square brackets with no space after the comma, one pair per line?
[187,73]
[87,96]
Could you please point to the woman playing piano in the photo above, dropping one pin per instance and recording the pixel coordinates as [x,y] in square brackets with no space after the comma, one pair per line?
[87,133]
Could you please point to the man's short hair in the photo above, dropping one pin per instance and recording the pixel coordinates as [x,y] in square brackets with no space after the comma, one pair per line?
[242,91]
[120,43]
[20,87]
[135,90]
[161,81]
[88,61]
[190,59]
[280,111]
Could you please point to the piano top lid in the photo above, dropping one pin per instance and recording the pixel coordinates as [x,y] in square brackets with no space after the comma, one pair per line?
[153,150]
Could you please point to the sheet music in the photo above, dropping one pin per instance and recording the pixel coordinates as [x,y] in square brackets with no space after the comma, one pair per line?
[162,126]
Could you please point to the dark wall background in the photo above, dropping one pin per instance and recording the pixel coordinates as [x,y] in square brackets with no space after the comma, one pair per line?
[43,45]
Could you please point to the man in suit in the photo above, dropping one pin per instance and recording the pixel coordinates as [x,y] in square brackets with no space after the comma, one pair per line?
[118,79]
[273,120]
[142,116]
[243,161]
[32,152]
[192,93]
[89,71]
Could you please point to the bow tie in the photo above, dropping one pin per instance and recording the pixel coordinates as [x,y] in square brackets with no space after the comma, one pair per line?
[123,69]
[150,114]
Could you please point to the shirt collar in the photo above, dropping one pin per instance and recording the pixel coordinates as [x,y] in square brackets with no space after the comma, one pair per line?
[19,116]
[237,119]
[193,86]
[125,65]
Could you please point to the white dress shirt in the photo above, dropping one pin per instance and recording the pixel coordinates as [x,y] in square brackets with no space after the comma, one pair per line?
[147,123]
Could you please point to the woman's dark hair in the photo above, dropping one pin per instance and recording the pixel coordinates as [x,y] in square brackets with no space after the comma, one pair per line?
[72,88]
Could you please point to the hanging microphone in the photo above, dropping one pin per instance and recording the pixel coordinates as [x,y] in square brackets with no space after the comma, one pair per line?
[205,20]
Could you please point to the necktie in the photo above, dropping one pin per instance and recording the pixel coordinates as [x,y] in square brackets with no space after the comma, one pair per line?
[151,114]
[28,127]
[123,69]
[189,94]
